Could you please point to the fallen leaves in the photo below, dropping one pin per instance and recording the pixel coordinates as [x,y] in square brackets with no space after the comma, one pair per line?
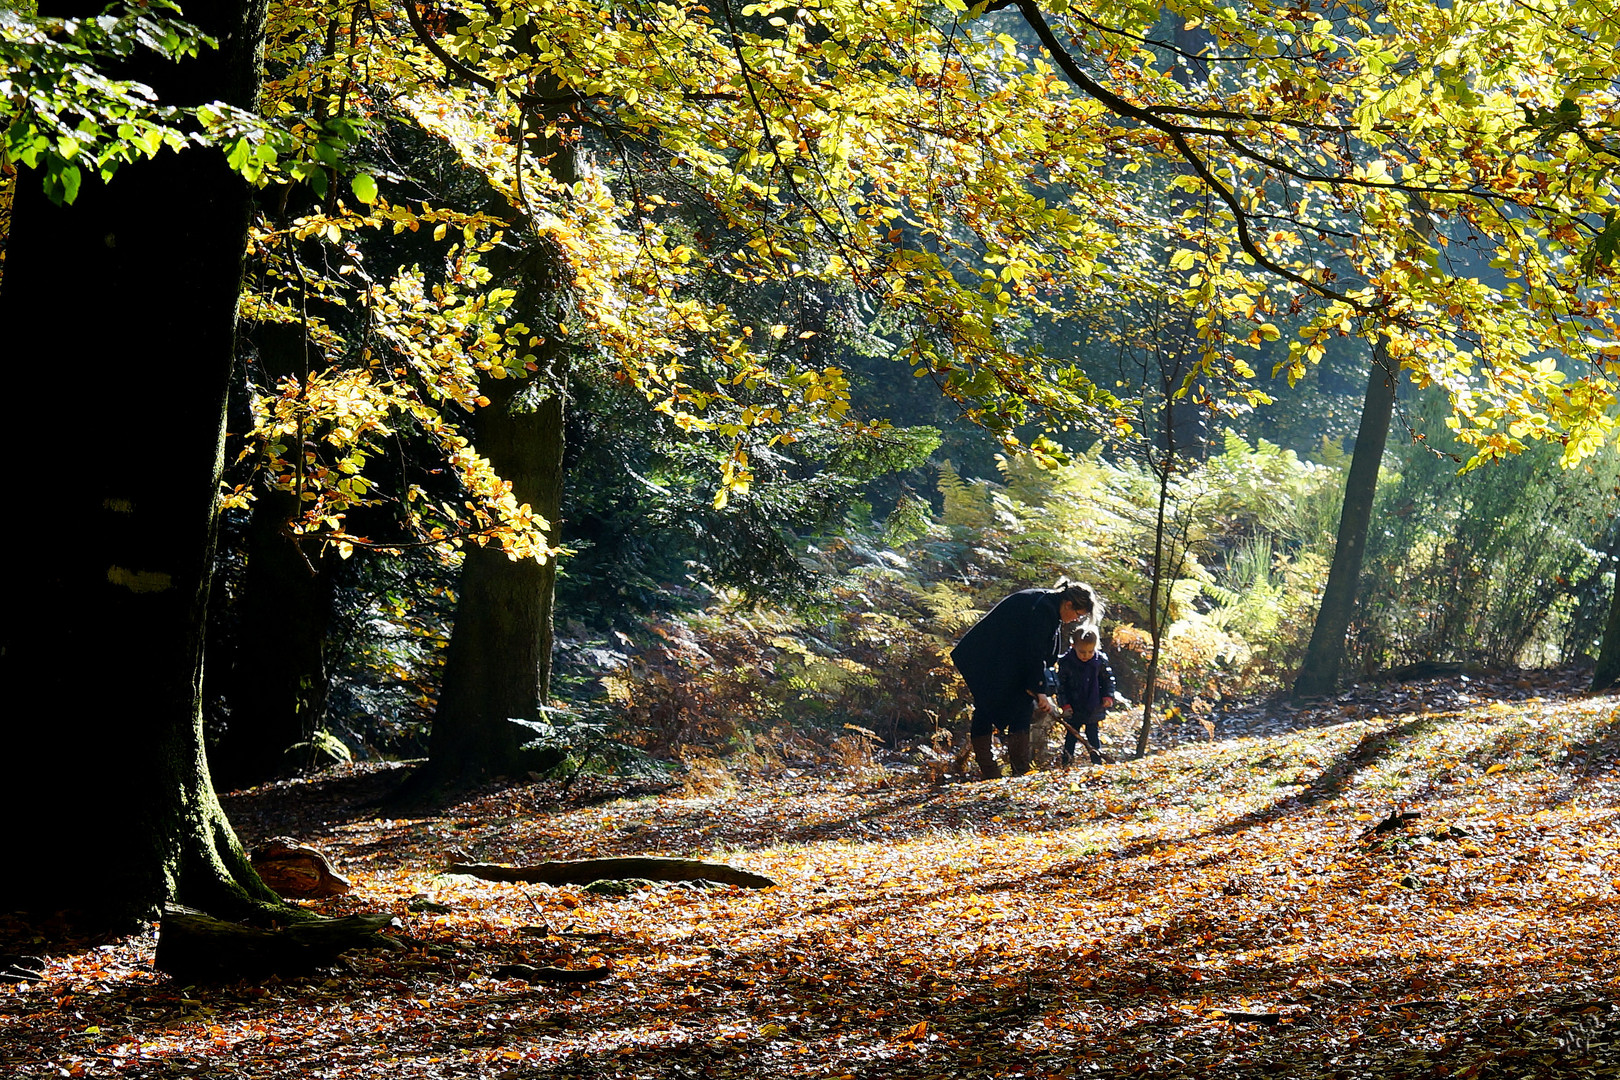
[1180,916]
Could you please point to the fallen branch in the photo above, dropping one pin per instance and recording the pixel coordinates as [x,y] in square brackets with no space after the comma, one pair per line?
[1267,1018]
[531,974]
[578,935]
[585,871]
[1397,820]
[22,969]
[1083,741]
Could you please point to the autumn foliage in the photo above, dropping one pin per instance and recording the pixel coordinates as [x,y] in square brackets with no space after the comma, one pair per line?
[1227,908]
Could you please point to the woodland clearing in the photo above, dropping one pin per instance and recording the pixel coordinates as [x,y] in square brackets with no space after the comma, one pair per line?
[1226,907]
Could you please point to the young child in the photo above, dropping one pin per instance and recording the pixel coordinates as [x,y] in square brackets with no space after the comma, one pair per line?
[1085,691]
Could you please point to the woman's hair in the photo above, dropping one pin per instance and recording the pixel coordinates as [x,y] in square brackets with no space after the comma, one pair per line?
[1083,597]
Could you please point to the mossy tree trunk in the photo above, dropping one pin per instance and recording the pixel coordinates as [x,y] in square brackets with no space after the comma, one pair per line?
[119,314]
[498,664]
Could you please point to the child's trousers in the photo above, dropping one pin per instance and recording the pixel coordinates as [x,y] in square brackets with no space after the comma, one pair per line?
[1093,739]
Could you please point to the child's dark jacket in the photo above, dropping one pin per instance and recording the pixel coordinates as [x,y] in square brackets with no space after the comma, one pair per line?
[1082,684]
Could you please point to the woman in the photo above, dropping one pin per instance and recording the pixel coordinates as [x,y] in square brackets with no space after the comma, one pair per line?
[1003,659]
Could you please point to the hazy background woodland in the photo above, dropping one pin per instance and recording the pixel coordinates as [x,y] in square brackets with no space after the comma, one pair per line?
[428,264]
[830,593]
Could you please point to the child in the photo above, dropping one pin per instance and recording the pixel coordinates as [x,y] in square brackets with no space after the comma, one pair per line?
[1085,690]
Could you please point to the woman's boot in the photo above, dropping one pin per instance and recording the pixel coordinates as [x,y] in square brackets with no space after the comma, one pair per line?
[1018,751]
[984,750]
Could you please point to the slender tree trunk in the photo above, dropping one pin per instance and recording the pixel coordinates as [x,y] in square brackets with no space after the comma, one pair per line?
[1607,674]
[1319,674]
[1150,685]
[120,320]
[1180,414]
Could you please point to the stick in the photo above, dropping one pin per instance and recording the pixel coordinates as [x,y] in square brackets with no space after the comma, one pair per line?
[1078,734]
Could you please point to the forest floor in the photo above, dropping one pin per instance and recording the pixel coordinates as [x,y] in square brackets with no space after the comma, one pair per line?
[1220,909]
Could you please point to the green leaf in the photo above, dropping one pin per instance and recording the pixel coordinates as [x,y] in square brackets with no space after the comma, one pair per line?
[364,186]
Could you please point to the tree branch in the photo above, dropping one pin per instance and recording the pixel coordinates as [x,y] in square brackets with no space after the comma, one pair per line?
[1037,22]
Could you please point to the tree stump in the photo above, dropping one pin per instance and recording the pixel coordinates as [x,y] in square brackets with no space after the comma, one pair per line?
[296,870]
[196,947]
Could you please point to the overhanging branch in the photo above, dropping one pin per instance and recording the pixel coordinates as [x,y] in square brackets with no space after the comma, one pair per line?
[1178,138]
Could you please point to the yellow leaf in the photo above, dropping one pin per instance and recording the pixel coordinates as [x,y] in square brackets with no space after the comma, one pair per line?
[1498,767]
[919,1030]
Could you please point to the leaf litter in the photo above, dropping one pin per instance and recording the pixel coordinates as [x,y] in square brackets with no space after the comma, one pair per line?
[1235,906]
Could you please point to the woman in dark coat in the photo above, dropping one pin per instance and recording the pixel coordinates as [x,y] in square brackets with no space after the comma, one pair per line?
[1003,659]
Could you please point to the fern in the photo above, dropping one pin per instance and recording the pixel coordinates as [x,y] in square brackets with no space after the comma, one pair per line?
[967,505]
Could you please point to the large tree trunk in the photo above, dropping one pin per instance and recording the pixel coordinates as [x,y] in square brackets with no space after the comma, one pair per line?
[120,317]
[1319,673]
[498,666]
[275,691]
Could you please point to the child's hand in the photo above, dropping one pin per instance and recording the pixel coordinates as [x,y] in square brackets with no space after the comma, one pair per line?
[1108,703]
[1068,710]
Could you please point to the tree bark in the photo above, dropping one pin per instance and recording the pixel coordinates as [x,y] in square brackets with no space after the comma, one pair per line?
[498,665]
[1156,617]
[1607,674]
[276,689]
[194,947]
[120,316]
[1319,674]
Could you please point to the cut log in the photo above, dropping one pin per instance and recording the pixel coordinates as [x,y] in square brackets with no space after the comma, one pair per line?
[585,871]
[194,946]
[296,870]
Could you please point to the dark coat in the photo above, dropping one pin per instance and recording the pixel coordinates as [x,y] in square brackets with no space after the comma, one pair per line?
[1008,650]
[1082,684]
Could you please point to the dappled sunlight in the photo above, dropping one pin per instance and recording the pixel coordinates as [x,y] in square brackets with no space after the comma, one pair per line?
[1227,905]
